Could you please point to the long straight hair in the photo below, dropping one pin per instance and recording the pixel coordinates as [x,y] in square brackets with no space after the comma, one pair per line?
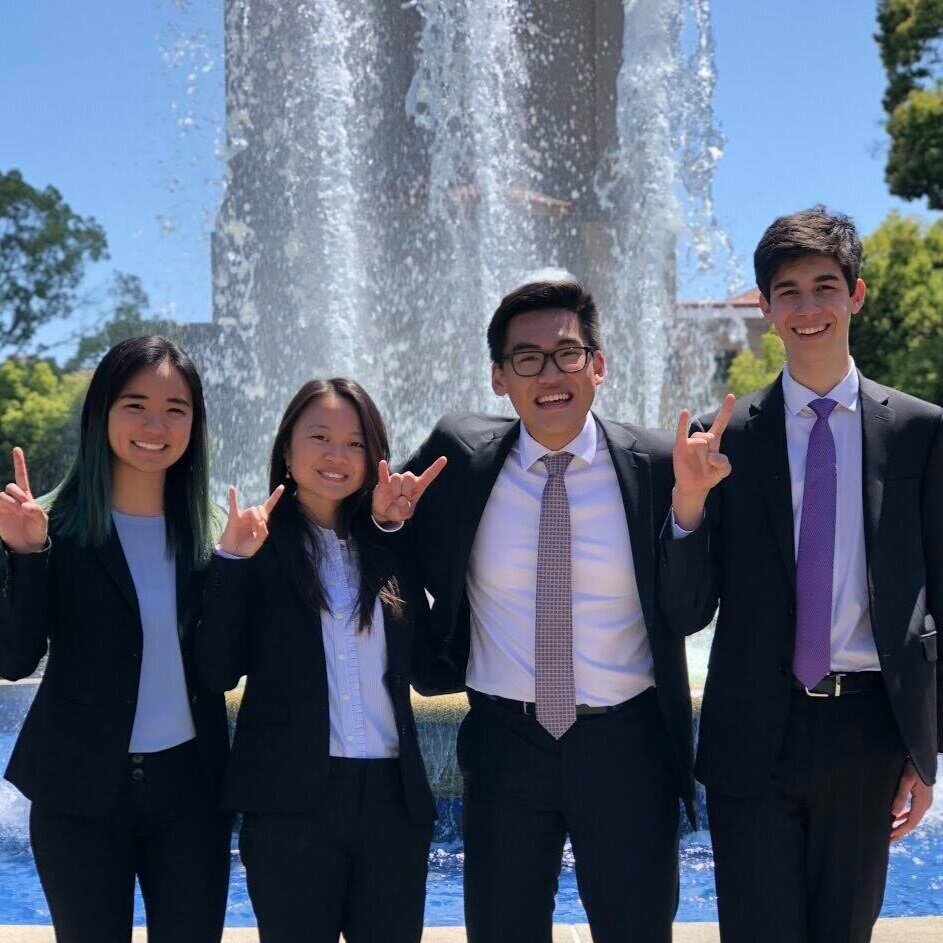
[80,507]
[375,556]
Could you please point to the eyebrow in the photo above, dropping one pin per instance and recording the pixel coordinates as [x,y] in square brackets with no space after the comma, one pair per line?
[791,283]
[320,425]
[563,342]
[176,400]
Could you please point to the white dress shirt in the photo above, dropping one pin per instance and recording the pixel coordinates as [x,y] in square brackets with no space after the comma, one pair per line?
[853,646]
[612,660]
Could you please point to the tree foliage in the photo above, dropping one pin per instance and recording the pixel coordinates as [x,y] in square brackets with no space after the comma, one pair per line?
[910,37]
[44,247]
[129,318]
[748,372]
[39,411]
[898,337]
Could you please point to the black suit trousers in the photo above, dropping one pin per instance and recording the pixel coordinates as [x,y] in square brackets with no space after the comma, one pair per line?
[165,830]
[357,865]
[610,783]
[806,860]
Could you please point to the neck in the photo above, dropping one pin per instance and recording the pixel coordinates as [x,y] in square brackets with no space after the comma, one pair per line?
[823,377]
[326,514]
[137,493]
[556,440]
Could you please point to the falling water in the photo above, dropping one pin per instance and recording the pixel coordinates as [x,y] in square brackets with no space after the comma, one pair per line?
[395,168]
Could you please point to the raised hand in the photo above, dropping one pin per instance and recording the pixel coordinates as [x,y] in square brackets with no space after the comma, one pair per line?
[24,525]
[699,465]
[247,530]
[396,495]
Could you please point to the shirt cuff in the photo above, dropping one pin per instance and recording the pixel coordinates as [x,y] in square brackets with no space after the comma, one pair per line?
[677,531]
[390,528]
[218,550]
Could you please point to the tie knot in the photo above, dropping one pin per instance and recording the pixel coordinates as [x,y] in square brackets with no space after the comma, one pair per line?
[822,407]
[557,462]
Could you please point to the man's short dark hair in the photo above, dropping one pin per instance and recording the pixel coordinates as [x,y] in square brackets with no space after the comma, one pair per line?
[544,296]
[815,231]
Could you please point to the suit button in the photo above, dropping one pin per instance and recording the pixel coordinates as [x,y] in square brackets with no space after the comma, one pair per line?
[137,758]
[137,775]
[135,655]
[193,699]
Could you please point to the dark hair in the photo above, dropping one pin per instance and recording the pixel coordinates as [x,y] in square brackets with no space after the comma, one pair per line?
[542,296]
[375,556]
[80,507]
[815,231]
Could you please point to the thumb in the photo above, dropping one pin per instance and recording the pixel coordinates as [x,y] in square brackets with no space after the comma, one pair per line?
[902,795]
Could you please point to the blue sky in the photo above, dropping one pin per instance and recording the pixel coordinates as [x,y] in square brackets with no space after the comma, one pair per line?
[118,104]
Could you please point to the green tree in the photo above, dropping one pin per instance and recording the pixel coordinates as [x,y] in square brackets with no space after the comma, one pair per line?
[44,247]
[39,411]
[748,372]
[909,36]
[129,318]
[898,337]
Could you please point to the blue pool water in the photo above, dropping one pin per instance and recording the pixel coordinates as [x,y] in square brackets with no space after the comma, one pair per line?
[914,887]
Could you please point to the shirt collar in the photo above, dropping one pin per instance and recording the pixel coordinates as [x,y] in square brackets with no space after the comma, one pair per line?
[798,397]
[582,447]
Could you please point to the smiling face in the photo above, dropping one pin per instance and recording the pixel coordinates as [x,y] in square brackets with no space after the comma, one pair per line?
[149,422]
[327,455]
[811,309]
[554,404]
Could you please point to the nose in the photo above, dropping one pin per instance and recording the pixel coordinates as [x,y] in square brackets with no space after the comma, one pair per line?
[549,371]
[154,420]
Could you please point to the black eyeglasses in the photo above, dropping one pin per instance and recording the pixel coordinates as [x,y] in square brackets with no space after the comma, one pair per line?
[531,363]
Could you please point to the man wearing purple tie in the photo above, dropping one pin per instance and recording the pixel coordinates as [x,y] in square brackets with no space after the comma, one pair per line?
[814,517]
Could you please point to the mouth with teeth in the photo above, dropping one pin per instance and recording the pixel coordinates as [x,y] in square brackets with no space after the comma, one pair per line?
[553,400]
[149,446]
[332,476]
[811,331]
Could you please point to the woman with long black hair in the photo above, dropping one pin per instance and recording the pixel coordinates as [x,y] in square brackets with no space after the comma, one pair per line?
[123,749]
[307,599]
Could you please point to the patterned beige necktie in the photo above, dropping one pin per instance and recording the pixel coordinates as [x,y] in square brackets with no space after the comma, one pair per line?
[553,636]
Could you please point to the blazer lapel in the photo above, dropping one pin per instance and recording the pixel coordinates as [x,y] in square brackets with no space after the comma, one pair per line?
[634,473]
[115,563]
[877,422]
[483,469]
[767,425]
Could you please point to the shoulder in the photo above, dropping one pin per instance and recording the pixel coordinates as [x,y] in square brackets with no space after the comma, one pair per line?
[657,443]
[458,433]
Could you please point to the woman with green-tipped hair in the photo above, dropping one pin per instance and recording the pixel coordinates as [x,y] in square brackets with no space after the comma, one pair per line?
[122,750]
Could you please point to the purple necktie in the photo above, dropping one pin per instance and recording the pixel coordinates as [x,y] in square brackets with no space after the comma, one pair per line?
[816,559]
[553,633]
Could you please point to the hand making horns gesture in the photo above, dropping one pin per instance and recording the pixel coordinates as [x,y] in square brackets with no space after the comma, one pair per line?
[699,464]
[396,495]
[247,530]
[24,525]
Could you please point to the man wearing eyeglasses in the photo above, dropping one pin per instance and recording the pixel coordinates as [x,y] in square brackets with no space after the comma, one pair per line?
[538,543]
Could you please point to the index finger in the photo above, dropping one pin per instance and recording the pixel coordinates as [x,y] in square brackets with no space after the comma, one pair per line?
[684,425]
[383,471]
[19,470]
[723,417]
[430,474]
[272,499]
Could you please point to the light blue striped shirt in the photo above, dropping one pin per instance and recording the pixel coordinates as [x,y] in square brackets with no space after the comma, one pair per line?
[162,718]
[361,711]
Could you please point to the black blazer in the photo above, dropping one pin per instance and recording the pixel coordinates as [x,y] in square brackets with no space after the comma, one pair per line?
[257,623]
[442,532]
[744,556]
[80,603]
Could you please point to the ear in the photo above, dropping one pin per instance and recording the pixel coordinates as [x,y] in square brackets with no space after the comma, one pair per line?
[497,380]
[764,307]
[857,296]
[598,367]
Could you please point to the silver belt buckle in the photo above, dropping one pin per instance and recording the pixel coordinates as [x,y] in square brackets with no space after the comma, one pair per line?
[836,693]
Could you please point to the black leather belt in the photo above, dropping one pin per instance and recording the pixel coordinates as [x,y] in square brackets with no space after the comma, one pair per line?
[528,708]
[838,683]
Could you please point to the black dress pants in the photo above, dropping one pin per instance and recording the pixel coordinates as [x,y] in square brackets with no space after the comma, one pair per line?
[610,783]
[164,829]
[356,866]
[806,861]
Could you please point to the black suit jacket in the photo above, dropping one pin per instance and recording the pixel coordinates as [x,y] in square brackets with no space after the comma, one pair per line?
[80,603]
[256,622]
[743,556]
[442,532]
